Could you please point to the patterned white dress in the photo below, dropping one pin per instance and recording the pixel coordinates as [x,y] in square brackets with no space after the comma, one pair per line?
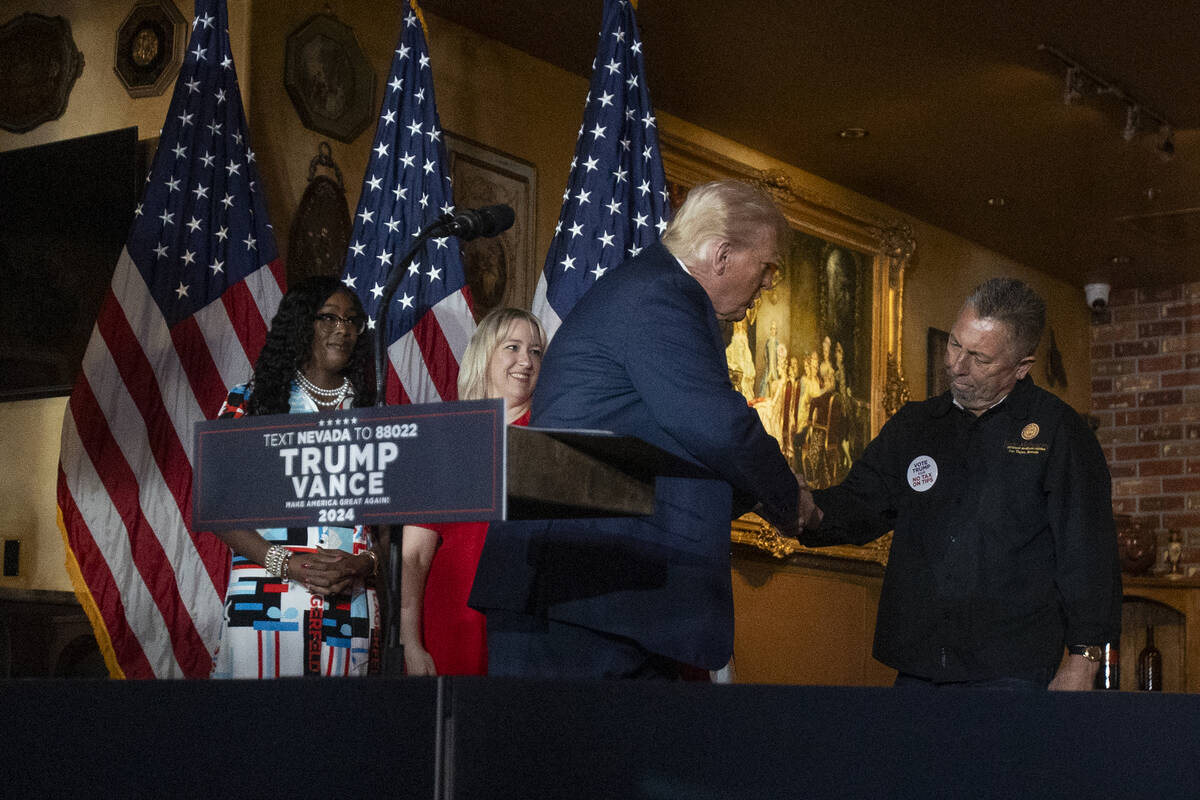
[275,629]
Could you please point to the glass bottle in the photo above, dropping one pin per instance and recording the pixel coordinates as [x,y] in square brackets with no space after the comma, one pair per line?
[1109,675]
[1150,665]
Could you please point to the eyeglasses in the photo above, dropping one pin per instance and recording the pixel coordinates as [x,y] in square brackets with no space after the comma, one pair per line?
[330,322]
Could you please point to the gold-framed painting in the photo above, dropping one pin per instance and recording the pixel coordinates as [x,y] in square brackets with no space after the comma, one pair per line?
[496,266]
[818,355]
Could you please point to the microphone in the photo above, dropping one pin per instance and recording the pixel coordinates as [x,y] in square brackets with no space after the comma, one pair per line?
[485,222]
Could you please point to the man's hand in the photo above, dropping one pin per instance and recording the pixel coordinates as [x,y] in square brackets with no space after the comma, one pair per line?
[810,515]
[1076,674]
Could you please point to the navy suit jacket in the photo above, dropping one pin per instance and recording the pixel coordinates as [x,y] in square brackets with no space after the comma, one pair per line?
[641,354]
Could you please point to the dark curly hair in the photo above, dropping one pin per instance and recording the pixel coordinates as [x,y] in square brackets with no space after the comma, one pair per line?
[289,346]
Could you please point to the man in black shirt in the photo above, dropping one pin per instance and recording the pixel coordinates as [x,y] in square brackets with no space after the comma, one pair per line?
[1004,549]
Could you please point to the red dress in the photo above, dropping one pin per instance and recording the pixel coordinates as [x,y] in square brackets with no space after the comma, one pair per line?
[455,635]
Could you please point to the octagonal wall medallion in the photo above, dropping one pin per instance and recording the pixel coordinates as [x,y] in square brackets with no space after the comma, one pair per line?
[329,79]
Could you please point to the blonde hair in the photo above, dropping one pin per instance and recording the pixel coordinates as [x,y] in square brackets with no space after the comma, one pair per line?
[472,372]
[730,210]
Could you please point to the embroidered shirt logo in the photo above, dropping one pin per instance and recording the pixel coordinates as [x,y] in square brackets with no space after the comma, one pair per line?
[922,473]
[1030,431]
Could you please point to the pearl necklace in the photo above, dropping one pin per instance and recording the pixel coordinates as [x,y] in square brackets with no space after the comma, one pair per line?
[323,398]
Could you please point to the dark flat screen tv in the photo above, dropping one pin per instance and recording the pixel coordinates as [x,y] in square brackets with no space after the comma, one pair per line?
[65,212]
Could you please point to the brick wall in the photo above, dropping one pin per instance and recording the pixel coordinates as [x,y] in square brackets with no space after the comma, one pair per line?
[1146,396]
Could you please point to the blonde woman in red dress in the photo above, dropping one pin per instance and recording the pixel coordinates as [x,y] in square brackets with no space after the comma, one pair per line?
[441,635]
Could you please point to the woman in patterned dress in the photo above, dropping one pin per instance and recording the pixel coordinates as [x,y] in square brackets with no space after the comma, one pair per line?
[441,635]
[298,601]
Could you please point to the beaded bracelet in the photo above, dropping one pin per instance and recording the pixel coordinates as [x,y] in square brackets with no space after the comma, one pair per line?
[283,567]
[273,561]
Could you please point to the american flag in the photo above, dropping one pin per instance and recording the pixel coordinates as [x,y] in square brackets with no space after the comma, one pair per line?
[616,198]
[185,317]
[407,186]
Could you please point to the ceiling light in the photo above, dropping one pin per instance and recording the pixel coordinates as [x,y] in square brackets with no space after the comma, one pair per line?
[1166,147]
[853,133]
[998,201]
[1133,120]
[1080,80]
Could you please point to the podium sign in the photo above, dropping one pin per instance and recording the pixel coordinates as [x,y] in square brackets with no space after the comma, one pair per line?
[439,462]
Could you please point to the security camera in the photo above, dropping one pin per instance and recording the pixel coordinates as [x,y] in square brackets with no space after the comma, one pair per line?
[1097,295]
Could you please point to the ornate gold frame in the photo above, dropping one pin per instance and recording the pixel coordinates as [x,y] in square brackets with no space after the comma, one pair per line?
[892,245]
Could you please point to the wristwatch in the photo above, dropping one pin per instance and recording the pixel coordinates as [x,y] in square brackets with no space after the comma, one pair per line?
[1092,652]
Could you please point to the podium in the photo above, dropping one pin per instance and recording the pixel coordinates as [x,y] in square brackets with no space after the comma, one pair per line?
[441,462]
[388,465]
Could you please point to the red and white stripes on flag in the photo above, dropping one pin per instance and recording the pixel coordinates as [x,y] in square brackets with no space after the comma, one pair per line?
[184,319]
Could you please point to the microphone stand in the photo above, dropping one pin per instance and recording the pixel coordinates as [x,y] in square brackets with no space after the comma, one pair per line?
[393,650]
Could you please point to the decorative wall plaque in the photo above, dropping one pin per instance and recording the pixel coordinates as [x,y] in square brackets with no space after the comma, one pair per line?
[150,46]
[38,67]
[321,228]
[329,79]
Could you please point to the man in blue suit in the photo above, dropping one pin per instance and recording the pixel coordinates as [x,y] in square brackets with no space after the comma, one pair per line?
[641,354]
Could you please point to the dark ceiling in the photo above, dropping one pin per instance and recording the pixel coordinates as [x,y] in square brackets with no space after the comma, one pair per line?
[967,126]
